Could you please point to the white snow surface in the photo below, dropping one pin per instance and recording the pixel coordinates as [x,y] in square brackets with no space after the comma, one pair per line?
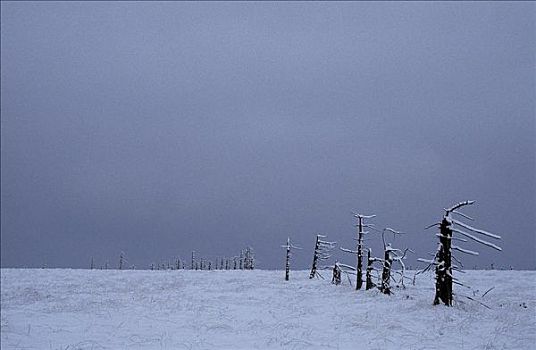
[110,309]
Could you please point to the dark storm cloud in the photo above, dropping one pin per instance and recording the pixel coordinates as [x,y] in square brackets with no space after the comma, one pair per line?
[161,128]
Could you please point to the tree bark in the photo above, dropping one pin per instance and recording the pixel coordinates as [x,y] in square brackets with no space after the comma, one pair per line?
[369,284]
[386,273]
[315,259]
[444,267]
[287,264]
[359,272]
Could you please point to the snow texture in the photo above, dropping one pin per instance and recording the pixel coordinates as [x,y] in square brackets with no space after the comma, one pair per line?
[109,309]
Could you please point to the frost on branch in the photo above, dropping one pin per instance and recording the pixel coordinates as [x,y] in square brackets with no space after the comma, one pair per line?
[391,255]
[359,248]
[370,267]
[336,279]
[322,250]
[443,257]
[288,248]
[249,259]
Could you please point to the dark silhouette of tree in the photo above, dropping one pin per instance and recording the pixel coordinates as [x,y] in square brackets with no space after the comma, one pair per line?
[391,255]
[337,271]
[321,252]
[443,256]
[121,260]
[249,259]
[370,267]
[288,248]
[359,248]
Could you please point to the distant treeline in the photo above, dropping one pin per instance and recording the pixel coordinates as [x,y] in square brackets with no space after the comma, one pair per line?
[245,260]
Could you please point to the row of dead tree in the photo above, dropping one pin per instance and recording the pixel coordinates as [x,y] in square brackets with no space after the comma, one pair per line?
[382,268]
[243,261]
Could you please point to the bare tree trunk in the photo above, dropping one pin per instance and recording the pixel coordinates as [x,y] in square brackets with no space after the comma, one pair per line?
[386,273]
[336,279]
[359,272]
[369,284]
[444,266]
[315,259]
[287,264]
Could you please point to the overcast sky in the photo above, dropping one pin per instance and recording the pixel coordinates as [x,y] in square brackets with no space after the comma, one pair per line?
[158,128]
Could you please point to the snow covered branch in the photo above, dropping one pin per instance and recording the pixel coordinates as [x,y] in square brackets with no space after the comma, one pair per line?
[476,230]
[459,205]
[466,251]
[486,243]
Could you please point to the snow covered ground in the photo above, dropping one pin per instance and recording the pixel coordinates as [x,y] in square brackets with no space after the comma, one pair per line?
[94,309]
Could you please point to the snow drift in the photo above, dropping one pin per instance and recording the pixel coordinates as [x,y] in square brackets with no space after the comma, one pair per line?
[107,309]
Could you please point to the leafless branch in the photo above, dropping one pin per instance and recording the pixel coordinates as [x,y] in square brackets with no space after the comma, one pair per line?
[470,228]
[489,290]
[459,205]
[464,215]
[432,225]
[347,266]
[457,260]
[466,251]
[481,303]
[363,216]
[451,238]
[468,235]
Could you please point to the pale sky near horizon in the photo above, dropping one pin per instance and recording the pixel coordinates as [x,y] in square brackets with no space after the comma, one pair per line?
[158,128]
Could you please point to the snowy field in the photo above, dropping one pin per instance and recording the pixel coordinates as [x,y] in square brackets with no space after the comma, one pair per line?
[94,309]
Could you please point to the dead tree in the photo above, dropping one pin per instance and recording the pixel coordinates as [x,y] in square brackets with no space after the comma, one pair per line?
[369,284]
[336,279]
[386,272]
[391,255]
[359,248]
[249,259]
[322,249]
[370,267]
[121,260]
[192,263]
[288,248]
[92,266]
[443,257]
